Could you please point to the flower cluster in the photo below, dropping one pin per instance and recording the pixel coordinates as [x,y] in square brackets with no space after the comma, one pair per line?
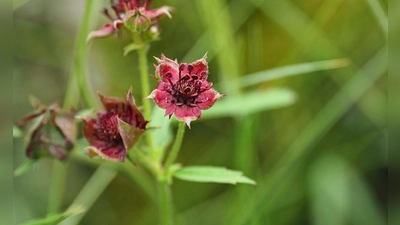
[116,129]
[133,15]
[48,139]
[183,89]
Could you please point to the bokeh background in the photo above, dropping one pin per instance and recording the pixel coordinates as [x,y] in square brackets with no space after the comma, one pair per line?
[318,158]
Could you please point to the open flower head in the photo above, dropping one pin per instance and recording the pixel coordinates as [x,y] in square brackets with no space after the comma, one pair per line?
[49,130]
[116,129]
[183,89]
[135,15]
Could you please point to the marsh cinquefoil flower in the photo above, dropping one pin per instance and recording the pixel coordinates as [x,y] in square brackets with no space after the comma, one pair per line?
[132,14]
[183,90]
[50,131]
[116,129]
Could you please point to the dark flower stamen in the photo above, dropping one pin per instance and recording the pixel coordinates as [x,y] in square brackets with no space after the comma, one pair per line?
[182,91]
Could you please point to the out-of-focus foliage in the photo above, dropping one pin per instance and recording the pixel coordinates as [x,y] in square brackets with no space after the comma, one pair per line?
[321,159]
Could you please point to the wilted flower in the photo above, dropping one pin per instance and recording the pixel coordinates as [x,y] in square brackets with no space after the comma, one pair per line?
[55,138]
[116,129]
[132,14]
[183,90]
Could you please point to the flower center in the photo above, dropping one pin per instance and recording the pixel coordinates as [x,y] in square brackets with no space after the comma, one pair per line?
[187,89]
[107,126]
[120,8]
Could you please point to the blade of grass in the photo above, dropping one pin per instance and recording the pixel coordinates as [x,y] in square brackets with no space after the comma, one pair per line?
[222,35]
[246,10]
[71,101]
[90,192]
[312,134]
[19,3]
[380,16]
[294,24]
[251,103]
[290,70]
[139,179]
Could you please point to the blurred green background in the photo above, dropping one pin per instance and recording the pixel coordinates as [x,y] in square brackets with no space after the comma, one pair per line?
[319,159]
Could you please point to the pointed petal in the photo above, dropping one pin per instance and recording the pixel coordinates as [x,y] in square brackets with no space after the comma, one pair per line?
[170,110]
[130,135]
[200,67]
[137,118]
[58,151]
[162,98]
[90,133]
[107,30]
[185,113]
[208,98]
[28,118]
[167,69]
[112,154]
[65,124]
[159,12]
[112,103]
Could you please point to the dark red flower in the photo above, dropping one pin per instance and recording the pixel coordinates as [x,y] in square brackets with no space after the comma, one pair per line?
[132,14]
[183,90]
[55,138]
[116,129]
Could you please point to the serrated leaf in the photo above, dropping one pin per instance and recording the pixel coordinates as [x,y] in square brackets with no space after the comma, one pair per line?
[211,174]
[17,132]
[252,102]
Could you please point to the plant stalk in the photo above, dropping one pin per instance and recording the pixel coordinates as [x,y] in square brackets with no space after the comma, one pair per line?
[166,203]
[144,76]
[175,148]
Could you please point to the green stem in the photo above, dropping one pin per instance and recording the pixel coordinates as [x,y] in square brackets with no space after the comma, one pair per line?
[166,203]
[78,73]
[144,76]
[57,187]
[71,100]
[97,183]
[175,148]
[144,73]
[152,166]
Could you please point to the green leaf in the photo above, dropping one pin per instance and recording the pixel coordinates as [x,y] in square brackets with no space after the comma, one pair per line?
[252,102]
[24,167]
[17,132]
[210,174]
[291,70]
[56,218]
[131,47]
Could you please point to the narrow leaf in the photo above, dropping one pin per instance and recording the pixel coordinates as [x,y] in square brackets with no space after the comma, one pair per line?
[251,102]
[131,47]
[24,167]
[291,70]
[56,218]
[210,174]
